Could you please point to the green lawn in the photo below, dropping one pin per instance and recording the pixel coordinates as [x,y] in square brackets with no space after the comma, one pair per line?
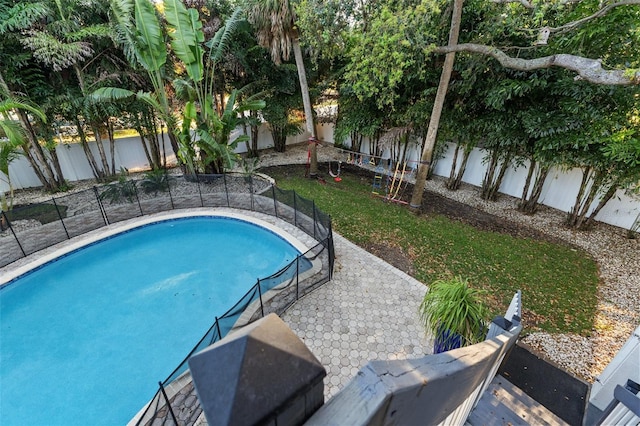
[558,282]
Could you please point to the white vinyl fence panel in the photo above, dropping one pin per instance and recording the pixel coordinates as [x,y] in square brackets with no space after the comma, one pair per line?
[559,192]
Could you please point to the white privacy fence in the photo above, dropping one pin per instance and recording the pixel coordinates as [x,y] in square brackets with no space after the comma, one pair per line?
[129,153]
[559,191]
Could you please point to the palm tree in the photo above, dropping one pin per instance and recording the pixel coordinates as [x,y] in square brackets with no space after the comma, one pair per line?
[19,74]
[144,41]
[68,38]
[139,32]
[274,22]
[12,137]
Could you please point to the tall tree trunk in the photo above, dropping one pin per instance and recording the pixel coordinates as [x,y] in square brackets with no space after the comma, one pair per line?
[306,102]
[584,202]
[98,173]
[101,151]
[279,138]
[403,158]
[527,182]
[492,182]
[87,152]
[255,130]
[36,168]
[603,201]
[454,165]
[49,180]
[112,146]
[151,132]
[252,147]
[454,184]
[584,208]
[530,205]
[434,121]
[356,141]
[489,173]
[60,183]
[572,217]
[137,125]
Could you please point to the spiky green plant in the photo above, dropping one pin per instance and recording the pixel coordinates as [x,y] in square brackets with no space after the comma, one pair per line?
[452,307]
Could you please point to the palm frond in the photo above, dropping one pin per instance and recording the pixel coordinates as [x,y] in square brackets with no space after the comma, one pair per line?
[123,27]
[10,104]
[185,30]
[274,24]
[220,41]
[184,89]
[92,31]
[22,15]
[150,49]
[14,133]
[110,94]
[56,53]
[251,105]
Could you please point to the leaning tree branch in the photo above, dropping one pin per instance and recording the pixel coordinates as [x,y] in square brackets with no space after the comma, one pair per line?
[525,3]
[601,12]
[587,69]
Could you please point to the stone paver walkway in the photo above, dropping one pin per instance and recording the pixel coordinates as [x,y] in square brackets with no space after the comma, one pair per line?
[368,311]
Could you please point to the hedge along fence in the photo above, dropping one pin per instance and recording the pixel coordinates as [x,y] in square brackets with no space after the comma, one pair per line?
[71,215]
[559,191]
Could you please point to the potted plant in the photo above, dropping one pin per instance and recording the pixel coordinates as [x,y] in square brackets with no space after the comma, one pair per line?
[453,313]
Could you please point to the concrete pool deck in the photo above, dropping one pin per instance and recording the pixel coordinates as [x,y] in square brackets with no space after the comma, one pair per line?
[368,311]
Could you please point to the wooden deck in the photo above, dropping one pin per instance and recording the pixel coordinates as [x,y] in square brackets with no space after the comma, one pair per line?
[504,404]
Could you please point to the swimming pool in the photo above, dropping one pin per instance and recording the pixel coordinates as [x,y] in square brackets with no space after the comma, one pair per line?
[85,339]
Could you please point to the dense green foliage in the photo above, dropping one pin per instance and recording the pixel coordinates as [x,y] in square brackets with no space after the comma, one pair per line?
[386,75]
[558,282]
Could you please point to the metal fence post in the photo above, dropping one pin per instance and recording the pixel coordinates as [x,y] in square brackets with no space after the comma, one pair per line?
[295,209]
[199,189]
[60,216]
[298,276]
[135,191]
[251,191]
[332,253]
[102,210]
[260,295]
[226,190]
[166,175]
[166,398]
[8,222]
[315,219]
[218,327]
[275,202]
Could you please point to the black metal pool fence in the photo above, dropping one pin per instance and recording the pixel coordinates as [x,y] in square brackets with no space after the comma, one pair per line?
[28,229]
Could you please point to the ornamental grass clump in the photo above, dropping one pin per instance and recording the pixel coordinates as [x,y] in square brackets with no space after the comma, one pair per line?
[454,314]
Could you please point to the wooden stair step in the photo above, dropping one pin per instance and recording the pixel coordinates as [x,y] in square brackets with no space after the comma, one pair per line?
[505,404]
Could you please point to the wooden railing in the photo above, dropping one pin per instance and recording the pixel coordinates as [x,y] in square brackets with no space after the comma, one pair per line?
[437,389]
[625,407]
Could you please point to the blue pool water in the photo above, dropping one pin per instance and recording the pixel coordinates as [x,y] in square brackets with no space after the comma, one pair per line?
[85,339]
